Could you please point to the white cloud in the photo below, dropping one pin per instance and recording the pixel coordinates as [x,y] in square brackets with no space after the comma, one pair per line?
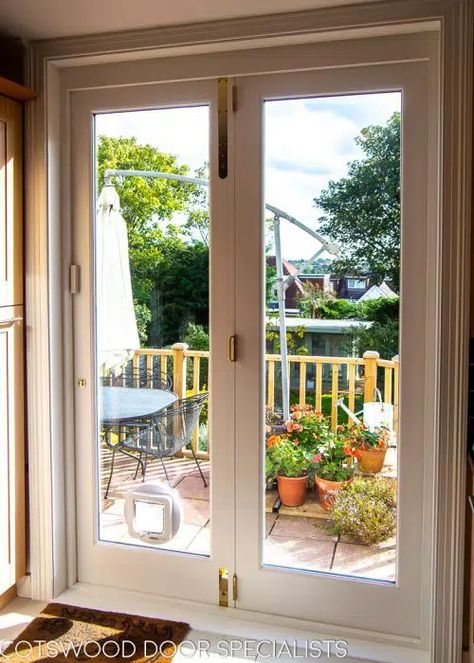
[183,132]
[308,142]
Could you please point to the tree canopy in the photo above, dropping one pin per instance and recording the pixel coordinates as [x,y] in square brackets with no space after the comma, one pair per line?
[361,212]
[168,261]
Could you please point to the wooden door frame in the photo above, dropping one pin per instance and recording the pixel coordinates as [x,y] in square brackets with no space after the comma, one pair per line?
[47,300]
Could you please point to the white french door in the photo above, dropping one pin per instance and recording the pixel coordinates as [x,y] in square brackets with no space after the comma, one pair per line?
[285,563]
[180,120]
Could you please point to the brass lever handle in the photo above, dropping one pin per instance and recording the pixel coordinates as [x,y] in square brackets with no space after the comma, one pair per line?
[232,348]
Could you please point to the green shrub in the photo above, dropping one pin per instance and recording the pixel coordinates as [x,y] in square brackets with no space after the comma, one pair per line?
[366,510]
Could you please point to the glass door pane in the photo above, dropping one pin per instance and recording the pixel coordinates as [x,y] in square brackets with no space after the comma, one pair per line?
[153,354]
[332,316]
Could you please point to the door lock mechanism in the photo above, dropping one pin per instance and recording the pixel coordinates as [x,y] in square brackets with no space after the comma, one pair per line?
[81,383]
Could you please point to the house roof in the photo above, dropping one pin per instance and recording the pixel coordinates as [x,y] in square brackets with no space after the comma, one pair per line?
[322,326]
[378,291]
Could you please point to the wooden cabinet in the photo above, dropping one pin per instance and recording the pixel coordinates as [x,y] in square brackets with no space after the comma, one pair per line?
[12,457]
[12,438]
[11,204]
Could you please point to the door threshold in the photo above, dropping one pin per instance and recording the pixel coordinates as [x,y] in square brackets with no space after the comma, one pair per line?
[244,624]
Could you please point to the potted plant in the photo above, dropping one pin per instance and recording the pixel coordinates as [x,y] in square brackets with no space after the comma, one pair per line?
[289,463]
[307,427]
[366,510]
[369,447]
[332,469]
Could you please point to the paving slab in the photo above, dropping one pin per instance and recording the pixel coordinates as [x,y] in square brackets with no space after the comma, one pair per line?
[195,512]
[302,528]
[365,561]
[298,553]
[192,486]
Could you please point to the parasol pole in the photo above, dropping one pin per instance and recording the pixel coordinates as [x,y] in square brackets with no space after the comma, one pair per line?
[281,289]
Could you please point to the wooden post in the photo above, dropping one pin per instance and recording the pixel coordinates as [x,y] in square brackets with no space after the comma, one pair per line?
[370,373]
[179,369]
[395,393]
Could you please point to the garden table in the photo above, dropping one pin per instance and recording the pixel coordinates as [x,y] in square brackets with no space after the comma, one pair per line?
[122,404]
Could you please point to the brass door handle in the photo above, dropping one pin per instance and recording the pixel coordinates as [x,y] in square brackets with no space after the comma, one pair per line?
[232,348]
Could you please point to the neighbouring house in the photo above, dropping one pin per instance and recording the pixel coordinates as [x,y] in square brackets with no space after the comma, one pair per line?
[321,338]
[378,291]
[294,291]
[353,288]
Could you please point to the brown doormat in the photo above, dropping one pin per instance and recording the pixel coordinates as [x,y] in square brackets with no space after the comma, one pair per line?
[68,633]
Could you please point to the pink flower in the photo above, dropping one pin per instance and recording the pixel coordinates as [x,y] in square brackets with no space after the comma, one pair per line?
[293,427]
[316,459]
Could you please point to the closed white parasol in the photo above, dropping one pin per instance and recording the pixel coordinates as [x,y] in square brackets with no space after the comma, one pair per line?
[117,333]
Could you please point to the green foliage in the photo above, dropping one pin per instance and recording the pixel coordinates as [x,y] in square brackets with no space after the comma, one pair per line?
[366,510]
[143,199]
[196,336]
[308,428]
[361,212]
[383,309]
[270,280]
[294,337]
[331,460]
[380,337]
[359,437]
[312,299]
[326,404]
[169,265]
[181,290]
[286,459]
[143,318]
[198,207]
[337,309]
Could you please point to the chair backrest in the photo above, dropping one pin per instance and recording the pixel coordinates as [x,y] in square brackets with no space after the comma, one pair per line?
[173,427]
[139,377]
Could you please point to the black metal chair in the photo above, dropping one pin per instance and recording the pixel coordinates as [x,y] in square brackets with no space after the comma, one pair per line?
[139,377]
[162,437]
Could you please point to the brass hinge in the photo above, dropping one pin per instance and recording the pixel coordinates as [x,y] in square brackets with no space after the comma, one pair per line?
[234,98]
[74,279]
[224,588]
[235,593]
[232,348]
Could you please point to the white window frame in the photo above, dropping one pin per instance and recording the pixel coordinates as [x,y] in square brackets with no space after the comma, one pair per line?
[51,462]
[356,287]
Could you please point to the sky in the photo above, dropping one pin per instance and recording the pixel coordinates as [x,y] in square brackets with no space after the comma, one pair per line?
[308,142]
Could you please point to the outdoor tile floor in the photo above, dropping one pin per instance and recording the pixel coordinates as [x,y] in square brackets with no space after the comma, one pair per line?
[295,537]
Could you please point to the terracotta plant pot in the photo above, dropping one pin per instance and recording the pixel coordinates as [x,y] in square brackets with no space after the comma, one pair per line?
[371,460]
[328,490]
[292,490]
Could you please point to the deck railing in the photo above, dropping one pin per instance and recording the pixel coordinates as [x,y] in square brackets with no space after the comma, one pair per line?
[318,380]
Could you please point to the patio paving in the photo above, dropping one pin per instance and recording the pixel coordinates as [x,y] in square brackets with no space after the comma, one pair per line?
[298,537]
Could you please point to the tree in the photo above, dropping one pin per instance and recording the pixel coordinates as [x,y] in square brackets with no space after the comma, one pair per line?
[169,266]
[383,335]
[312,299]
[361,212]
